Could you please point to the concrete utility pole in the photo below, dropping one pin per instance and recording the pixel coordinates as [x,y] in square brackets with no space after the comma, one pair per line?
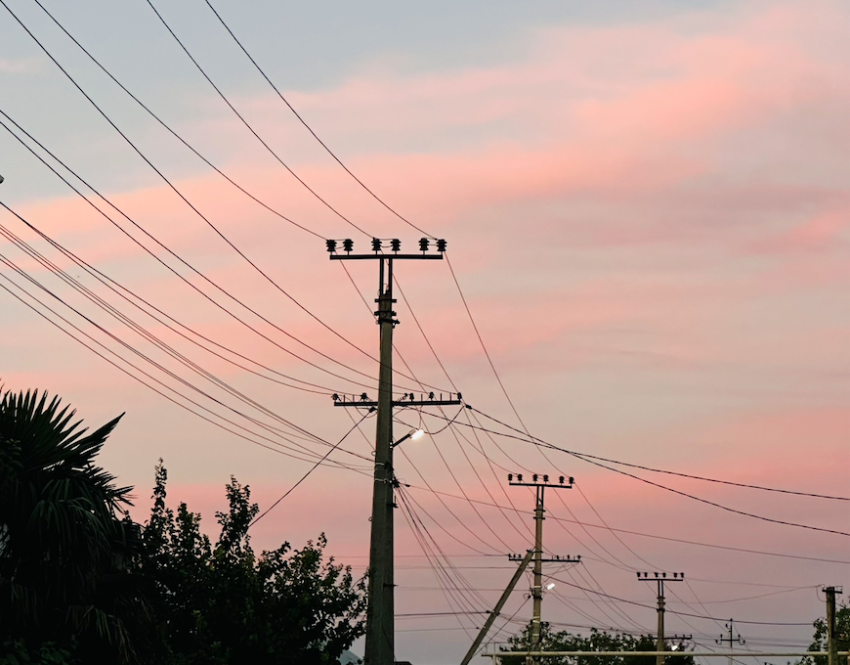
[498,608]
[540,483]
[380,613]
[731,639]
[831,637]
[660,579]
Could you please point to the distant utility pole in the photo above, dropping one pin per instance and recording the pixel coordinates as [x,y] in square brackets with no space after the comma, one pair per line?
[731,639]
[540,483]
[831,637]
[380,613]
[660,579]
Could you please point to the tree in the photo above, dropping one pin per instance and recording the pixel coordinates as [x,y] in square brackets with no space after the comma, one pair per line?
[596,641]
[819,639]
[64,539]
[224,604]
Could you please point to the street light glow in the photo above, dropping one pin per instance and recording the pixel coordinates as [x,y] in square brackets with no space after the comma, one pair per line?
[417,434]
[550,586]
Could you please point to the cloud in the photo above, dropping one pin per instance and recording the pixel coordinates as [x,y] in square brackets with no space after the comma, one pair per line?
[20,66]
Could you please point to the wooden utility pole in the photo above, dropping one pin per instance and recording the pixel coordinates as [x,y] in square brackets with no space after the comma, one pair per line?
[540,483]
[380,613]
[660,579]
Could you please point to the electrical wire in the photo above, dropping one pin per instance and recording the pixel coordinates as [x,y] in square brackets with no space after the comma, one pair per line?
[666,538]
[197,153]
[176,273]
[250,128]
[309,128]
[145,334]
[541,443]
[698,616]
[277,448]
[309,471]
[218,231]
[159,367]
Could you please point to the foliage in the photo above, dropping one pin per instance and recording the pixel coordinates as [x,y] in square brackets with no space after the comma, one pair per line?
[819,639]
[63,542]
[224,604]
[596,641]
[16,652]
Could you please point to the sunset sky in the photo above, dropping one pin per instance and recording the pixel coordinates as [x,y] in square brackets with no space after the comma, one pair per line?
[647,208]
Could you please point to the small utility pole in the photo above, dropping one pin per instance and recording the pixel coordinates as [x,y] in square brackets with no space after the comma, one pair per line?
[660,579]
[540,483]
[831,637]
[731,639]
[380,624]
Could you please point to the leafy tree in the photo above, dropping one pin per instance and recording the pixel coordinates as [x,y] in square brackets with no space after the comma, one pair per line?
[596,641]
[64,540]
[224,604]
[819,639]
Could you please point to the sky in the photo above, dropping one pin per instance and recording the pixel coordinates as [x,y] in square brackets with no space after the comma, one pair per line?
[647,210]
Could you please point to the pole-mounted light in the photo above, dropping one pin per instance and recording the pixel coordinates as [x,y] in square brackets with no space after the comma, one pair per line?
[412,434]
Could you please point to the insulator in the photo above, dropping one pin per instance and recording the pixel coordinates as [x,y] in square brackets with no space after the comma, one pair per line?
[376,245]
[459,396]
[331,245]
[412,397]
[572,480]
[441,245]
[664,574]
[364,397]
[561,480]
[519,477]
[348,244]
[423,244]
[510,477]
[682,575]
[545,479]
[638,575]
[430,395]
[535,477]
[336,397]
[395,243]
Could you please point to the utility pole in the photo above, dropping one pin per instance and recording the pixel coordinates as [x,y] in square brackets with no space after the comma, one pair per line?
[831,637]
[731,639]
[523,564]
[380,613]
[660,579]
[540,483]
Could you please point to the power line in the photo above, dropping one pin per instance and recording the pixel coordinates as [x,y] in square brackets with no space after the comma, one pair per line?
[169,129]
[313,468]
[540,442]
[197,153]
[176,273]
[158,366]
[194,209]
[247,124]
[98,301]
[687,614]
[148,376]
[309,128]
[666,538]
[665,471]
[132,298]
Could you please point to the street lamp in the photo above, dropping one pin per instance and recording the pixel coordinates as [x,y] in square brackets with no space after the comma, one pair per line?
[412,434]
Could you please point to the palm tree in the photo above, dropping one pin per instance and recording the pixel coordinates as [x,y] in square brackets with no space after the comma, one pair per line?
[65,536]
